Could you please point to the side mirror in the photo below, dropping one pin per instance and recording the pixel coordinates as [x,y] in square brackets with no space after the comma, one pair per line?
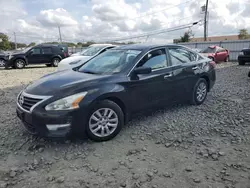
[142,70]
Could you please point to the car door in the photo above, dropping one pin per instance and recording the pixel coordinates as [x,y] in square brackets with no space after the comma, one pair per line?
[34,56]
[220,54]
[47,55]
[185,67]
[152,89]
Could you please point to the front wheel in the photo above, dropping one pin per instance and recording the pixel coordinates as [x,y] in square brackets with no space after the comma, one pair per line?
[241,62]
[55,62]
[105,121]
[19,64]
[199,93]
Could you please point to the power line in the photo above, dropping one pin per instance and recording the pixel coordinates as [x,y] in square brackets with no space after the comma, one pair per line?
[155,32]
[152,13]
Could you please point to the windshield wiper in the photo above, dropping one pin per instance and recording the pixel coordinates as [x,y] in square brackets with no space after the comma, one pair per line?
[89,72]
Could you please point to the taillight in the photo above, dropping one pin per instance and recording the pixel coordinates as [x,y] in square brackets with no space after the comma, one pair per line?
[212,63]
[65,55]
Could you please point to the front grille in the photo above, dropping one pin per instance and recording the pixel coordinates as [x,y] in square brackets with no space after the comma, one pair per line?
[27,102]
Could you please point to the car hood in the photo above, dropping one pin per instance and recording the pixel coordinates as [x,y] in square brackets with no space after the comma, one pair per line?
[63,82]
[76,60]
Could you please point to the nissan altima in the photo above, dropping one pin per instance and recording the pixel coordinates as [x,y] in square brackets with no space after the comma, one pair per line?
[99,97]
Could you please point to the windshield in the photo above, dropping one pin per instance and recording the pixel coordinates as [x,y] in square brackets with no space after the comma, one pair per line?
[26,49]
[91,51]
[110,62]
[209,50]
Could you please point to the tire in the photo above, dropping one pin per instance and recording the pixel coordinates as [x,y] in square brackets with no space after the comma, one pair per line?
[55,62]
[227,59]
[242,62]
[199,93]
[19,64]
[48,65]
[95,127]
[2,63]
[249,74]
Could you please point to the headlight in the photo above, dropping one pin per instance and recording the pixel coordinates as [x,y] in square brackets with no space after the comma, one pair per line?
[67,103]
[74,62]
[10,56]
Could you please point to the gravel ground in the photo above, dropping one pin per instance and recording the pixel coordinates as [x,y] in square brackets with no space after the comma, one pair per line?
[180,146]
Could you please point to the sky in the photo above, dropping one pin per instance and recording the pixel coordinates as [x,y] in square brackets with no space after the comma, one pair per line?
[103,20]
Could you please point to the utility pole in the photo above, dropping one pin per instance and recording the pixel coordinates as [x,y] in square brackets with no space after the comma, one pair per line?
[15,40]
[59,29]
[205,21]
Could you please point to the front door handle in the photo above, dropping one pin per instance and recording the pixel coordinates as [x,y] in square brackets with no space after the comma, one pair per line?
[168,75]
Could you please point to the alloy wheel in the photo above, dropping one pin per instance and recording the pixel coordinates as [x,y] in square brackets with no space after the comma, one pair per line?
[20,63]
[103,122]
[55,62]
[2,63]
[201,91]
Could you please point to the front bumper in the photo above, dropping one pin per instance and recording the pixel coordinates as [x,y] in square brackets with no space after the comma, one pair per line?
[245,58]
[51,124]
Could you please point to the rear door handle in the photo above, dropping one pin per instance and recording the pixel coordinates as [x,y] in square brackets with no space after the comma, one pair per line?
[168,75]
[195,68]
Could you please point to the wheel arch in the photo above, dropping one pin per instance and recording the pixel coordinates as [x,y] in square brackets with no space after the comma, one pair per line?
[118,101]
[207,79]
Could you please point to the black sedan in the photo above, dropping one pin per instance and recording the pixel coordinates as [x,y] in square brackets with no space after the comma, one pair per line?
[100,96]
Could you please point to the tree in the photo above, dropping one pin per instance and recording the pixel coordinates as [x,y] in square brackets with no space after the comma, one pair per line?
[32,44]
[243,34]
[186,37]
[4,42]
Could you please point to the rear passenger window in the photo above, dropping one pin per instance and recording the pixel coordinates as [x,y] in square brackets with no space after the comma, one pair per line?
[180,55]
[46,50]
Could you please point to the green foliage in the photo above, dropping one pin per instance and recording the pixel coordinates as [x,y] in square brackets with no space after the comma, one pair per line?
[32,44]
[4,42]
[243,34]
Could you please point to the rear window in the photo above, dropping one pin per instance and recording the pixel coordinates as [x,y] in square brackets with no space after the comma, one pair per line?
[46,50]
[209,50]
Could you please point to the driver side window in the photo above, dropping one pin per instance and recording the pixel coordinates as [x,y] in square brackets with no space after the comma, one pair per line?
[155,59]
[36,51]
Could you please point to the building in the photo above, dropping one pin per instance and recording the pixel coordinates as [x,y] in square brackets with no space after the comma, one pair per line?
[216,38]
[211,38]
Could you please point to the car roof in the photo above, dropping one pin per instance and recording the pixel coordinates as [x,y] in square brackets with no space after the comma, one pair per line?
[102,45]
[144,46]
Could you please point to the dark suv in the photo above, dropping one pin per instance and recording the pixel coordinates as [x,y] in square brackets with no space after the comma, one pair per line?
[48,54]
[244,56]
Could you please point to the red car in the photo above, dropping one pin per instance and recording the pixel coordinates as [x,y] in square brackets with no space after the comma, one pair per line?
[216,53]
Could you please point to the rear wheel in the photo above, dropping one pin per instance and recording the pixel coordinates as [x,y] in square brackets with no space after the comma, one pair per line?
[242,62]
[199,93]
[55,62]
[19,64]
[105,121]
[2,62]
[227,59]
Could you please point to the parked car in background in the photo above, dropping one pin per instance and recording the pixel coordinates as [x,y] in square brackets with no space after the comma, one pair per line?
[100,97]
[196,50]
[85,55]
[49,54]
[216,53]
[244,56]
[3,58]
